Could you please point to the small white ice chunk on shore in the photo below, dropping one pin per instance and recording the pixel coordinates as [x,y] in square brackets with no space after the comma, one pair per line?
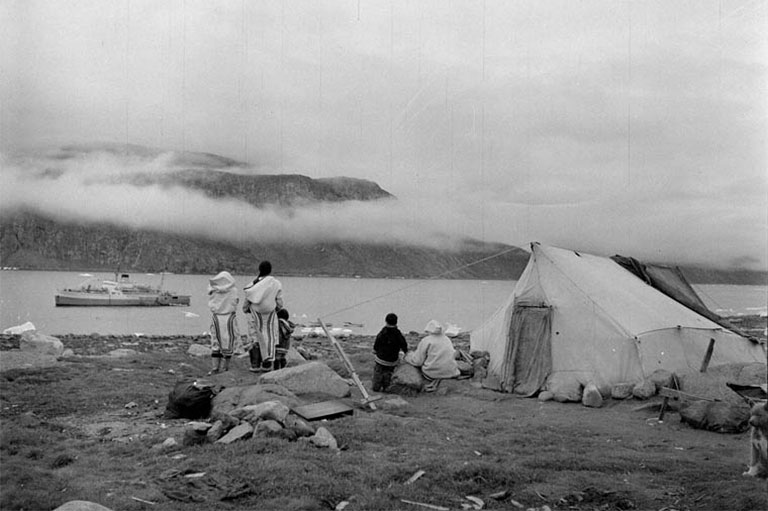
[19,329]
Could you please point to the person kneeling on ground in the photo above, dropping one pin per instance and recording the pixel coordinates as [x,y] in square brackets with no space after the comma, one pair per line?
[435,356]
[389,342]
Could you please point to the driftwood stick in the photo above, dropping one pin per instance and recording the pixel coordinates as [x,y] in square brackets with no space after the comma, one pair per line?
[415,476]
[367,400]
[428,506]
[137,499]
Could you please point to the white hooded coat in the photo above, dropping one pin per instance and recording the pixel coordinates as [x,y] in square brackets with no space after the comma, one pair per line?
[434,354]
[222,294]
[265,295]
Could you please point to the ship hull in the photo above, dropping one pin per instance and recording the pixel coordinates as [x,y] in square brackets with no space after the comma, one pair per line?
[84,299]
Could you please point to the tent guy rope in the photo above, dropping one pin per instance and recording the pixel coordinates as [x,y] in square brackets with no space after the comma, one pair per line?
[417,283]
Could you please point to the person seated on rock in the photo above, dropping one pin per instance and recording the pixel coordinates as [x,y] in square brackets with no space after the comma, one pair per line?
[435,356]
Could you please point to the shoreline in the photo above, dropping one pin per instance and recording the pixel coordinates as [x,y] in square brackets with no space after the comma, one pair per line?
[753,325]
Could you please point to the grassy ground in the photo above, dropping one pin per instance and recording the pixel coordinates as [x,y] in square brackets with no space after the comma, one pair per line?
[67,434]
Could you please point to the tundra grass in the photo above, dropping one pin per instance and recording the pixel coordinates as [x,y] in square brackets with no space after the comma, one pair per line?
[58,443]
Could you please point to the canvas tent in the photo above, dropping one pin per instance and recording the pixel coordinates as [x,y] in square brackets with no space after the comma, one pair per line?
[575,318]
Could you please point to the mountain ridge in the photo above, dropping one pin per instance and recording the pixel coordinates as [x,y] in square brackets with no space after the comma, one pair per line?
[33,242]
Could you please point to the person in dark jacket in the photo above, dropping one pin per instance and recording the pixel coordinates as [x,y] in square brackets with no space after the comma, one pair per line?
[389,342]
[286,327]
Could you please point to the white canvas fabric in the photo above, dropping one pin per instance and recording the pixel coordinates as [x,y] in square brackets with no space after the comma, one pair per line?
[607,326]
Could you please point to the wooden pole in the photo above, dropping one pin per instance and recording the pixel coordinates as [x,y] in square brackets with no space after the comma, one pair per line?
[707,356]
[366,398]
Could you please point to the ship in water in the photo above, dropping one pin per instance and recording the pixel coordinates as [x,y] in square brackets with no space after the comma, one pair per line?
[119,292]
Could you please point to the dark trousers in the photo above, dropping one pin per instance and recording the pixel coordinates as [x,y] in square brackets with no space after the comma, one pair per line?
[280,360]
[382,377]
[257,362]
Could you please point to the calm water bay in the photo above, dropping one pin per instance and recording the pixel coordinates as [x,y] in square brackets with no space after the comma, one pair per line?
[29,296]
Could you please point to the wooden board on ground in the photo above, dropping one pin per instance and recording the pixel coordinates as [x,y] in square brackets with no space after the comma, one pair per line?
[323,410]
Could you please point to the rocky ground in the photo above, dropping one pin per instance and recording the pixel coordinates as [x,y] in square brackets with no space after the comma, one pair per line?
[88,428]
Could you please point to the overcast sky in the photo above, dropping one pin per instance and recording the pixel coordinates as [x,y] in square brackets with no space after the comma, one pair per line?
[616,127]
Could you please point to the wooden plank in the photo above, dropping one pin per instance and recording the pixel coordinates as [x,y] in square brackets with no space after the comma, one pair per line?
[323,410]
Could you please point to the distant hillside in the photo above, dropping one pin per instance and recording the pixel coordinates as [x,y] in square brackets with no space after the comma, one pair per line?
[32,242]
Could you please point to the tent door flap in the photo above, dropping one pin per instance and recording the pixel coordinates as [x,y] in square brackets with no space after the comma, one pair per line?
[528,356]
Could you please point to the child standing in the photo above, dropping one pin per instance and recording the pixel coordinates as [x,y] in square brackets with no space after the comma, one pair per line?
[286,327]
[389,342]
[222,301]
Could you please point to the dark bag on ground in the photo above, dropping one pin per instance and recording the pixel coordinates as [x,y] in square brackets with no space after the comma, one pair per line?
[189,401]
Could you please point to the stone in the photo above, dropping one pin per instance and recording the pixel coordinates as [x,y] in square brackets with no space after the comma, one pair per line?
[622,390]
[42,344]
[309,378]
[480,367]
[240,432]
[406,380]
[122,353]
[287,434]
[294,358]
[567,388]
[215,432]
[67,353]
[546,396]
[167,444]
[193,437]
[227,421]
[268,428]
[299,426]
[324,438]
[716,416]
[199,426]
[199,350]
[81,505]
[644,390]
[591,396]
[273,429]
[231,398]
[15,359]
[268,410]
